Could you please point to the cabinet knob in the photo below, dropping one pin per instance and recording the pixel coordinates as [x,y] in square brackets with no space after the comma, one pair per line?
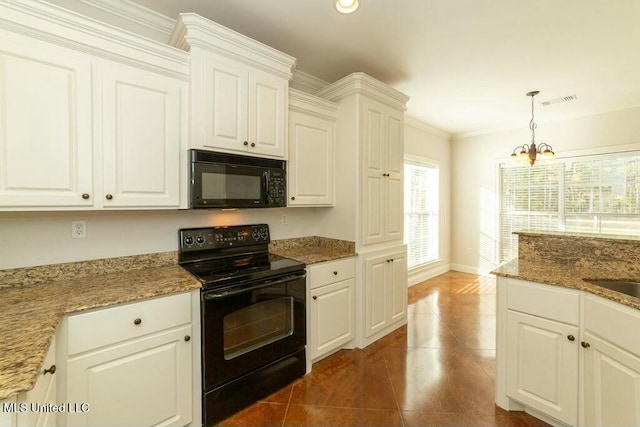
[245,143]
[315,297]
[293,197]
[335,273]
[85,196]
[109,196]
[253,144]
[187,338]
[585,344]
[51,370]
[137,321]
[571,338]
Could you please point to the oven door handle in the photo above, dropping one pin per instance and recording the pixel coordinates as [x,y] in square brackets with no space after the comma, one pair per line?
[217,295]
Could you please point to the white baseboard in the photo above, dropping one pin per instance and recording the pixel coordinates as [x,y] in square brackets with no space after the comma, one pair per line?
[467,269]
[427,273]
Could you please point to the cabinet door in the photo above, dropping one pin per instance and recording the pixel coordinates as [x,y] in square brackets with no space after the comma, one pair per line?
[374,174]
[43,393]
[267,105]
[611,384]
[142,382]
[332,317]
[394,222]
[398,292]
[376,277]
[45,124]
[542,365]
[311,163]
[142,118]
[223,105]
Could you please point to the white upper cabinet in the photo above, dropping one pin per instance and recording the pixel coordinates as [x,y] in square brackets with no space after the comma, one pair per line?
[45,124]
[311,150]
[90,117]
[239,89]
[141,125]
[382,134]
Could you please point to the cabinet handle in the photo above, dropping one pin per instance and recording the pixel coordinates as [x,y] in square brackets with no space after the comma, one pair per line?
[585,344]
[137,321]
[253,144]
[51,370]
[571,338]
[109,196]
[335,273]
[245,143]
[85,196]
[187,338]
[315,297]
[293,197]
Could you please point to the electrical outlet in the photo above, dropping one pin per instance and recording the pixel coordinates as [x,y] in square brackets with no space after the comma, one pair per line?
[78,229]
[285,220]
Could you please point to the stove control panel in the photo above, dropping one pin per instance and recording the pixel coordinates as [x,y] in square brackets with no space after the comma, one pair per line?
[197,239]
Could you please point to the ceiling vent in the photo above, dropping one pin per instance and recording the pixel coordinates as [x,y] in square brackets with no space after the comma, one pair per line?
[560,100]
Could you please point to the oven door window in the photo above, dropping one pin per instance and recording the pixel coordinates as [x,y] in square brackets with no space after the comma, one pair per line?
[256,326]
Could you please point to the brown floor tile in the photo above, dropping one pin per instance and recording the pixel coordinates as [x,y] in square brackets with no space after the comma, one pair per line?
[258,414]
[315,416]
[438,370]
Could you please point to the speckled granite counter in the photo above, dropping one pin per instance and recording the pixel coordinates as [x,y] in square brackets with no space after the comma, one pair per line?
[32,303]
[565,259]
[312,250]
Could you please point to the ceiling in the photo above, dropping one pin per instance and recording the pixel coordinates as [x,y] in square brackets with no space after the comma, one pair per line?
[466,64]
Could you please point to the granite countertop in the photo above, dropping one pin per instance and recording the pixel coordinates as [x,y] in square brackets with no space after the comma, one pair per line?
[34,300]
[313,249]
[568,276]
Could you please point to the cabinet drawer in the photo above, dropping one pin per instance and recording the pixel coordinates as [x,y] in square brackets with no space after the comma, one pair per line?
[98,328]
[550,302]
[614,322]
[331,272]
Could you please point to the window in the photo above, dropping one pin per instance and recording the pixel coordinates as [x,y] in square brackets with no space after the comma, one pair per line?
[421,211]
[597,194]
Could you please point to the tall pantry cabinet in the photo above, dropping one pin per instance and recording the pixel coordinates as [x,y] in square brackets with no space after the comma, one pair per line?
[369,198]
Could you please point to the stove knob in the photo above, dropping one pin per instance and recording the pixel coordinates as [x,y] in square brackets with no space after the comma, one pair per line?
[264,233]
[255,234]
[188,240]
[200,239]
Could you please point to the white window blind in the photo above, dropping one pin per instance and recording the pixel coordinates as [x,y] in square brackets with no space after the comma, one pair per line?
[597,194]
[421,210]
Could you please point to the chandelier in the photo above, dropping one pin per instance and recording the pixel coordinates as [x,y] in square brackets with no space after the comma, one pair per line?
[529,152]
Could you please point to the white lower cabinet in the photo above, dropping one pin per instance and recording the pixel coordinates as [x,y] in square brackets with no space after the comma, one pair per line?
[543,365]
[33,408]
[332,311]
[567,355]
[385,288]
[130,365]
[611,364]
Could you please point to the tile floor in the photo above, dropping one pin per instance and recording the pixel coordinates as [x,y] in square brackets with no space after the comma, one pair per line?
[438,370]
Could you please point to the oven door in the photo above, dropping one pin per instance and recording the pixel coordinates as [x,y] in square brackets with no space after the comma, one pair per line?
[220,185]
[249,327]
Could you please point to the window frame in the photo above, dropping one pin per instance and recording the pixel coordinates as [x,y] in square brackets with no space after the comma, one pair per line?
[424,162]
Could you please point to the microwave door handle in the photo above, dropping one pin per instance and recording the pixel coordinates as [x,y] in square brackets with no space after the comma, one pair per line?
[265,187]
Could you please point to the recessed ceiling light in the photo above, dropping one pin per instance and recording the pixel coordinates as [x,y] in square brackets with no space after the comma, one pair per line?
[346,6]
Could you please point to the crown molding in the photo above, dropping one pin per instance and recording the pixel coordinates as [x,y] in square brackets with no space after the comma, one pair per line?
[54,24]
[192,30]
[363,84]
[306,82]
[312,105]
[418,124]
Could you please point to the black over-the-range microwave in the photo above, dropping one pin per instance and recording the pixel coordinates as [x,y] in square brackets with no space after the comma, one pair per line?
[220,180]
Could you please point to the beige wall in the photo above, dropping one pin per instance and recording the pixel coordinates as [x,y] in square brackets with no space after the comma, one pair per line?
[474,204]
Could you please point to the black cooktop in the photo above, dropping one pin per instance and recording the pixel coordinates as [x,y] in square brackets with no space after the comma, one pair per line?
[232,255]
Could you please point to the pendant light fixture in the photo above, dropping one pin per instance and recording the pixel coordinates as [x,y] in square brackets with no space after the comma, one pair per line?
[529,152]
[347,6]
